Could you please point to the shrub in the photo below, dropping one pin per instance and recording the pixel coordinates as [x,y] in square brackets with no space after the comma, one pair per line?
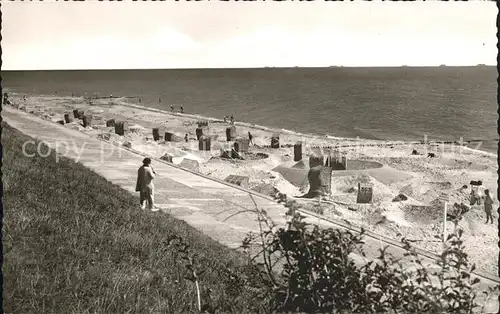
[313,270]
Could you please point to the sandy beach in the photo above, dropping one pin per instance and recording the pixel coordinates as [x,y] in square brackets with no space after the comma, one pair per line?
[390,167]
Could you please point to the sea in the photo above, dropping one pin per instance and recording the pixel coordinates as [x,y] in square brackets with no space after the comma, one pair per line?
[398,103]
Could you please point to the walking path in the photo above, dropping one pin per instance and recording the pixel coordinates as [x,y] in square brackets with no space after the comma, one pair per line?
[220,210]
[202,202]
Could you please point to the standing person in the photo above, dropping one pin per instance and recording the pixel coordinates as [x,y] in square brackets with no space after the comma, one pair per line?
[182,109]
[488,206]
[473,195]
[172,108]
[159,100]
[250,137]
[186,138]
[232,119]
[144,185]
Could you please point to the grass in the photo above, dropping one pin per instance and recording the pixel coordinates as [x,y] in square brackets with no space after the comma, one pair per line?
[76,243]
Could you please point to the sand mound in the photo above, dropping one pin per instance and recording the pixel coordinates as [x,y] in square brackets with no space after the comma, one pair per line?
[345,189]
[148,148]
[301,165]
[191,156]
[407,190]
[255,156]
[261,140]
[136,128]
[284,186]
[351,165]
[460,196]
[345,184]
[257,176]
[424,214]
[222,169]
[266,189]
[395,214]
[173,151]
[134,137]
[388,175]
[297,177]
[427,192]
[363,165]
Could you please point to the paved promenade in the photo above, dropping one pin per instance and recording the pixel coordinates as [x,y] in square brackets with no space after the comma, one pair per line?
[209,205]
[204,203]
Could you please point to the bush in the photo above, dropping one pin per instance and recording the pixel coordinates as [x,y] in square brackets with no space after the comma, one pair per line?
[313,270]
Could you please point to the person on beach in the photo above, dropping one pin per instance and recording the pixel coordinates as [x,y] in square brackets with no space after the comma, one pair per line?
[6,99]
[172,108]
[488,206]
[182,109]
[232,119]
[475,195]
[186,138]
[144,185]
[250,138]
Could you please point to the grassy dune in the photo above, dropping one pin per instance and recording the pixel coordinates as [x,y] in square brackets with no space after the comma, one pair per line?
[76,243]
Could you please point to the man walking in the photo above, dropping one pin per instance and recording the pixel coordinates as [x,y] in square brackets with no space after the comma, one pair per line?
[488,206]
[144,185]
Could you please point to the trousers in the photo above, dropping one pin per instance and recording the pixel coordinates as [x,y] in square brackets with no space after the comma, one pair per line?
[146,195]
[489,216]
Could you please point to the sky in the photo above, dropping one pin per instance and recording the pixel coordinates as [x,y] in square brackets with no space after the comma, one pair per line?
[214,34]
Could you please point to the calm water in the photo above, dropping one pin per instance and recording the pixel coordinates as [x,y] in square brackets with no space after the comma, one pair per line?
[377,103]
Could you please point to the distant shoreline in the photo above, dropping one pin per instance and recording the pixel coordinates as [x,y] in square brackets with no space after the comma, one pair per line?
[361,141]
[309,135]
[317,136]
[343,67]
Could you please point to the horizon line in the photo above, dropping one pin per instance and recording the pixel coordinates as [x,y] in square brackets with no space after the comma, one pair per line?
[261,67]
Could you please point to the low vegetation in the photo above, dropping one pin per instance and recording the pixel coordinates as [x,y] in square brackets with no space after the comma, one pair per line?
[318,273]
[75,243]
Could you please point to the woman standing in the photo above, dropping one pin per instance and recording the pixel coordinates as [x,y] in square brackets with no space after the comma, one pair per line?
[144,185]
[488,206]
